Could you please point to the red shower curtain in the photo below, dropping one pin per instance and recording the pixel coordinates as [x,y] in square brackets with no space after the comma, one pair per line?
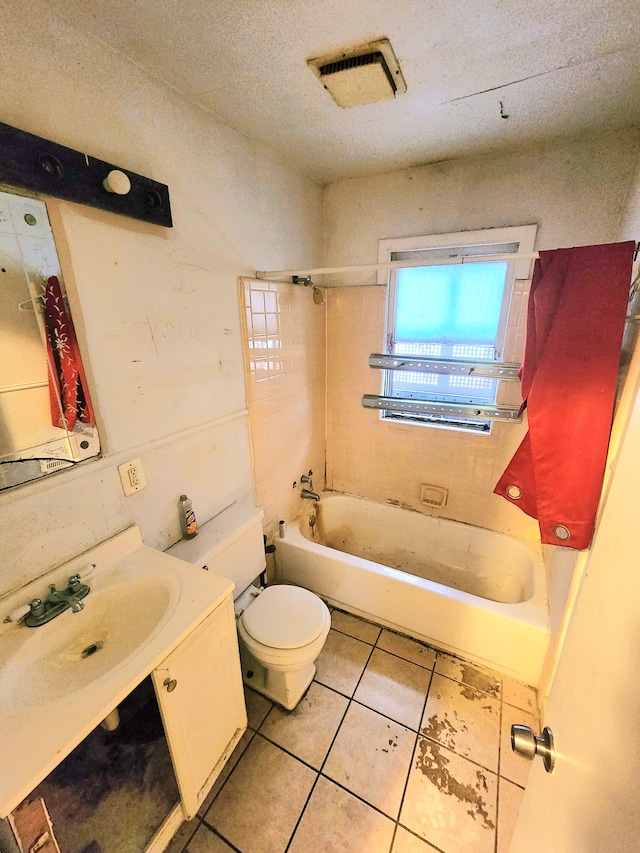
[68,391]
[575,322]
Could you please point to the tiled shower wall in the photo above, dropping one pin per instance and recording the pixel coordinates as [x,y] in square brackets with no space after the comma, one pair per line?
[284,350]
[388,461]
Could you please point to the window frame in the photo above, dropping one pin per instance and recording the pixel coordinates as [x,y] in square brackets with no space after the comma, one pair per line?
[517,270]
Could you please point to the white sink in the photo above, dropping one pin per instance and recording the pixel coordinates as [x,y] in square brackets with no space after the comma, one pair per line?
[59,680]
[121,614]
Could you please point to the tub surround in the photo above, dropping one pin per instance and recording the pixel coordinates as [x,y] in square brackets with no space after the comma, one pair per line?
[510,637]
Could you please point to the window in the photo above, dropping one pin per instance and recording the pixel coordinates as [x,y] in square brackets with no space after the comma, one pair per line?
[451,307]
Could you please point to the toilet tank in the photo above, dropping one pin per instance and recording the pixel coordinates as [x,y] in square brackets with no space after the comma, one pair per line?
[230,545]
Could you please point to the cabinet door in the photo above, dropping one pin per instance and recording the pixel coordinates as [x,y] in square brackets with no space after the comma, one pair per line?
[199,690]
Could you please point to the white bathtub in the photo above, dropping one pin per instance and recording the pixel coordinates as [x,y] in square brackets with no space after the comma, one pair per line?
[460,588]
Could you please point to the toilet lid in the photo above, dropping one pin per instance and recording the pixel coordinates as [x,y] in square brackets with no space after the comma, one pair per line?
[285,617]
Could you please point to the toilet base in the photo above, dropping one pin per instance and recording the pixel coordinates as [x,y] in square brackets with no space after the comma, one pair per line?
[283,688]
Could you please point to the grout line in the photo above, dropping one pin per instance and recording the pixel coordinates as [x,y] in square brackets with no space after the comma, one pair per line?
[463,757]
[190,839]
[221,836]
[364,669]
[359,639]
[420,838]
[333,740]
[288,752]
[324,761]
[304,808]
[498,698]
[387,717]
[358,797]
[498,779]
[229,775]
[413,754]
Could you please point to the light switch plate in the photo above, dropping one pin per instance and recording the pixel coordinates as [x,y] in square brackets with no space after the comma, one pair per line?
[132,476]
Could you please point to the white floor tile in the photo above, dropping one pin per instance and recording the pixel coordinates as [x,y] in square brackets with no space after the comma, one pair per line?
[371,756]
[406,842]
[394,687]
[475,676]
[335,821]
[509,799]
[450,801]
[258,808]
[235,756]
[309,729]
[341,662]
[258,706]
[206,841]
[406,648]
[464,720]
[347,623]
[519,695]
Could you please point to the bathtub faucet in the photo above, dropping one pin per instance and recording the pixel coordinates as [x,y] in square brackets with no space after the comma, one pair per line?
[307,493]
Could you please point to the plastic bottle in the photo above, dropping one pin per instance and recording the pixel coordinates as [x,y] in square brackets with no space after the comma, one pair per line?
[188,522]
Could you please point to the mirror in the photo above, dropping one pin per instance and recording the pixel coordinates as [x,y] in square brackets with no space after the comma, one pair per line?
[46,416]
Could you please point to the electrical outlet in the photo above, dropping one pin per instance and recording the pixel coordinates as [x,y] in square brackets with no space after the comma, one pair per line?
[132,476]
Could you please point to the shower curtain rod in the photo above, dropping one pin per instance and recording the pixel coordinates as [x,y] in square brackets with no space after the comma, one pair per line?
[398,265]
[393,265]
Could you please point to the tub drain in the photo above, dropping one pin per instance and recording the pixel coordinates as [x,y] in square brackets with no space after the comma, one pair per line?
[92,649]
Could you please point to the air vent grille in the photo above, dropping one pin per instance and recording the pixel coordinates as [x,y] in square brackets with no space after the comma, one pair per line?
[358,62]
[360,74]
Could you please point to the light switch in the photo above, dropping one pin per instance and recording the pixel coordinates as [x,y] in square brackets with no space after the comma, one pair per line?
[132,476]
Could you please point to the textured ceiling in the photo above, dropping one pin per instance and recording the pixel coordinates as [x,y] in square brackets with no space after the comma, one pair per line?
[481,75]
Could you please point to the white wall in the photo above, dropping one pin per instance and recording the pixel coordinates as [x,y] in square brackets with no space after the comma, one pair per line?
[575,191]
[156,309]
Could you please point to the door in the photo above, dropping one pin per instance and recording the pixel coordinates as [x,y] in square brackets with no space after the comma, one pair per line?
[199,690]
[590,803]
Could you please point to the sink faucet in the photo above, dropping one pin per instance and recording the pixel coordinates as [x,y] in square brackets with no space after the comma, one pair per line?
[67,596]
[56,602]
[307,493]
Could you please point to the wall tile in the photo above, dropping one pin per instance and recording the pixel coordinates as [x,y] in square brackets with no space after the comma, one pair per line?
[286,393]
[383,461]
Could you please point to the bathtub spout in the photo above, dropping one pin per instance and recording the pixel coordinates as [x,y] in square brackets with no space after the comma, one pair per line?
[307,493]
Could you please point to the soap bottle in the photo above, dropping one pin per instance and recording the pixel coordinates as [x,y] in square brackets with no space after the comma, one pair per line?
[188,521]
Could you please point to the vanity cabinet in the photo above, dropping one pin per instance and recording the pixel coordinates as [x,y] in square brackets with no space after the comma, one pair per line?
[201,699]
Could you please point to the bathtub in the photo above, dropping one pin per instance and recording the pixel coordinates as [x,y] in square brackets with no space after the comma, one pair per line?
[468,591]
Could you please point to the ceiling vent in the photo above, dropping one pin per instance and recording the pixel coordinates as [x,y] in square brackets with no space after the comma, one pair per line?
[362,75]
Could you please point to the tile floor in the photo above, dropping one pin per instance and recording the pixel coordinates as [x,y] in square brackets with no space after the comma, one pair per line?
[396,748]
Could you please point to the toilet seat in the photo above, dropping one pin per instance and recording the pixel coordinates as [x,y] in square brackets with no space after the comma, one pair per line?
[285,617]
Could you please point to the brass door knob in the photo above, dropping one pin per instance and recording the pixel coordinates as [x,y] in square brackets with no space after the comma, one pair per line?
[170,684]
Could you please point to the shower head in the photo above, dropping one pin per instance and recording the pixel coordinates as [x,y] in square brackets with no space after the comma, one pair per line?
[318,295]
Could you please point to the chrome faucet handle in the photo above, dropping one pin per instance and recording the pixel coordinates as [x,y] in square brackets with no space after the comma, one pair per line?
[36,607]
[73,582]
[306,479]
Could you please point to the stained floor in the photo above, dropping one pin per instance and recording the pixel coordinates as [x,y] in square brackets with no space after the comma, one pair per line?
[396,748]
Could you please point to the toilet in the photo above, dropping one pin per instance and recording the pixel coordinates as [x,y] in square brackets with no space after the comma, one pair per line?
[282,628]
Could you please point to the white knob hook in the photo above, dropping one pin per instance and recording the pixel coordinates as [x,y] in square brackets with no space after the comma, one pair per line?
[117,182]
